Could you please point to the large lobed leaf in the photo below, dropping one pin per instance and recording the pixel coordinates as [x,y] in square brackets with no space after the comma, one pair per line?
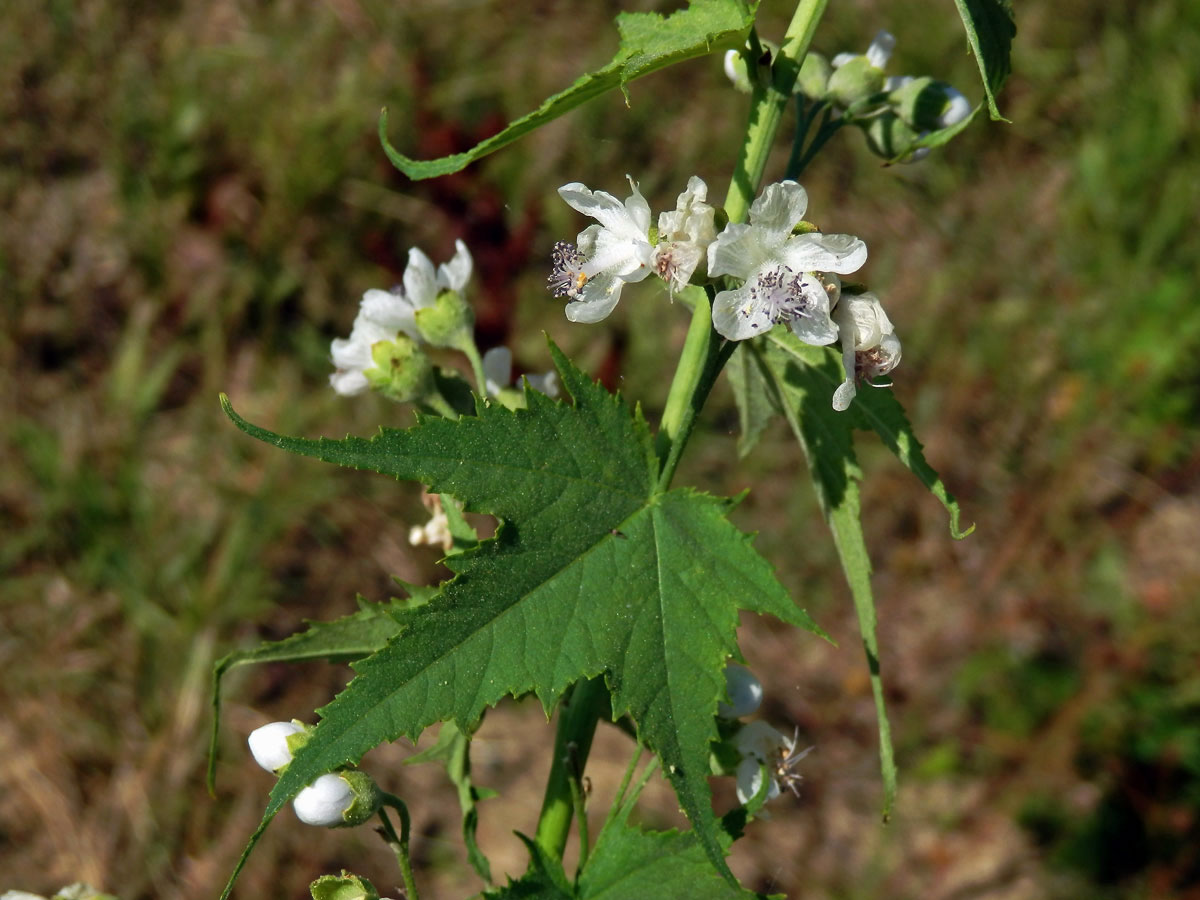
[648,42]
[593,570]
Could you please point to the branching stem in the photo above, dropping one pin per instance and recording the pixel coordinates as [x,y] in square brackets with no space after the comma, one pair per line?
[399,843]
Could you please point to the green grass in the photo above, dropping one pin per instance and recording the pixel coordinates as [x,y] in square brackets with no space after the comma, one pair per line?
[194,200]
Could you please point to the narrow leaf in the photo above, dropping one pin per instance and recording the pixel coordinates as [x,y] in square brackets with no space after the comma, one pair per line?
[826,436]
[990,32]
[648,42]
[752,397]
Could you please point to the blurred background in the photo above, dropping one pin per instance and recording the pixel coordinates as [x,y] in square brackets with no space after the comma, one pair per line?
[194,199]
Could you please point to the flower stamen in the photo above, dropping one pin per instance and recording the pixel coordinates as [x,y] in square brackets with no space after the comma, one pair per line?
[567,275]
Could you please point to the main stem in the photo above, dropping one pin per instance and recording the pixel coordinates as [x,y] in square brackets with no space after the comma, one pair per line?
[704,353]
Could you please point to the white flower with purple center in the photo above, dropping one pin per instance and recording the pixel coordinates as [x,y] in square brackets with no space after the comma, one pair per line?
[779,270]
[591,272]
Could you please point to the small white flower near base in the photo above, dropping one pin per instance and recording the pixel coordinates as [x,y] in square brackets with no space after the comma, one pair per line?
[764,748]
[779,270]
[591,272]
[324,802]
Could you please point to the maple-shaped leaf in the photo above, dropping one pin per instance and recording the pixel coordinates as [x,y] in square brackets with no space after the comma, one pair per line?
[593,570]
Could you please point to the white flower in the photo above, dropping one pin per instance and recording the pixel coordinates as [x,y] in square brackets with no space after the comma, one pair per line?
[877,54]
[779,269]
[383,315]
[497,371]
[745,693]
[869,344]
[324,801]
[684,235]
[762,747]
[269,744]
[591,272]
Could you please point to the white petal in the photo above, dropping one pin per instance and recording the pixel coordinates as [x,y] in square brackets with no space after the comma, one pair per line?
[349,383]
[895,82]
[616,255]
[547,383]
[600,205]
[816,329]
[323,802]
[737,316]
[420,280]
[455,274]
[597,299]
[382,314]
[740,251]
[957,107]
[497,369]
[764,743]
[841,253]
[869,323]
[639,211]
[881,49]
[843,395]
[779,207]
[749,781]
[842,58]
[268,744]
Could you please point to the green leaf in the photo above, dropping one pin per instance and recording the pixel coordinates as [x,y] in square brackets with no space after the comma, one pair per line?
[626,861]
[453,749]
[648,42]
[545,879]
[343,640]
[754,405]
[593,570]
[990,32]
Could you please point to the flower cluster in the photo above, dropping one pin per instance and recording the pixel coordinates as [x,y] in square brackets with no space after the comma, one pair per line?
[384,350]
[895,112]
[760,749]
[618,250]
[778,268]
[336,799]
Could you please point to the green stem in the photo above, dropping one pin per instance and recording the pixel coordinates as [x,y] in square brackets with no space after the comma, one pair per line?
[767,106]
[472,353]
[704,355]
[578,715]
[399,843]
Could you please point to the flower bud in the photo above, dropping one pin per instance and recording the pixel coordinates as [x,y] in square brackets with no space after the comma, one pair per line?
[813,80]
[890,137]
[745,693]
[749,781]
[928,105]
[856,79]
[274,744]
[402,371]
[338,799]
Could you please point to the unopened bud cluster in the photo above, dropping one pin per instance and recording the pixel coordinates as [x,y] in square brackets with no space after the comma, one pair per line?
[894,112]
[777,268]
[337,799]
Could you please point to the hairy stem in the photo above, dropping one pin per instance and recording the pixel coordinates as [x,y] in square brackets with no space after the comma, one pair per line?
[399,843]
[578,715]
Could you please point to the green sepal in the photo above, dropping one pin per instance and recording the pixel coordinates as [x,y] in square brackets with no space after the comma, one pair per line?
[366,800]
[854,80]
[402,371]
[449,322]
[813,80]
[343,887]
